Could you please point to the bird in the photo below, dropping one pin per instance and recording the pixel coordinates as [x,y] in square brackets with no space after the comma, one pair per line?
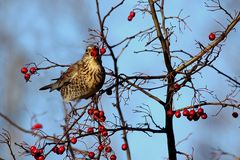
[81,80]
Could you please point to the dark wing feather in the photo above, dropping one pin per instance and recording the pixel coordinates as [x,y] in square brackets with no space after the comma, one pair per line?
[64,79]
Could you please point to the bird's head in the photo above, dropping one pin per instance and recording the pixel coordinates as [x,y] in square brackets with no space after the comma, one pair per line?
[92,52]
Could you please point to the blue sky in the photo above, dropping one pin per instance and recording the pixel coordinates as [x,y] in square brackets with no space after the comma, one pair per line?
[57,29]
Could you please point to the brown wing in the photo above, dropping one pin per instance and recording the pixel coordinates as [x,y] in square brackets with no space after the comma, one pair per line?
[65,78]
[69,74]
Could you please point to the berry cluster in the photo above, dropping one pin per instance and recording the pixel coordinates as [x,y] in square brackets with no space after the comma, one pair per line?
[103,147]
[96,51]
[190,114]
[27,75]
[37,153]
[131,16]
[97,115]
[107,149]
[59,150]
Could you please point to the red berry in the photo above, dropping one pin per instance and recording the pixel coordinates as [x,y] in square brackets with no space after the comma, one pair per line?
[190,117]
[33,70]
[96,112]
[35,151]
[102,50]
[100,147]
[124,146]
[192,112]
[95,117]
[24,70]
[101,128]
[27,76]
[212,36]
[200,111]
[235,114]
[104,133]
[55,149]
[113,157]
[61,150]
[132,14]
[73,140]
[185,112]
[94,52]
[37,126]
[204,116]
[108,149]
[196,116]
[91,155]
[90,130]
[102,119]
[176,86]
[41,151]
[101,114]
[32,148]
[40,157]
[90,111]
[178,114]
[170,113]
[130,18]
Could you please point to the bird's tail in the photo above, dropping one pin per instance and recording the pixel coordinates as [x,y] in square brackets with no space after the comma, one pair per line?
[51,86]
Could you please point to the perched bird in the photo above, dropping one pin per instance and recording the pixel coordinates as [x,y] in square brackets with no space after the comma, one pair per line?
[82,79]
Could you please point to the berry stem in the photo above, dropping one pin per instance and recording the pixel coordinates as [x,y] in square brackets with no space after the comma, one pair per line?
[66,132]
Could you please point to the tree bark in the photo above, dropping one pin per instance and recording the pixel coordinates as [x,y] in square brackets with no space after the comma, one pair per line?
[170,138]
